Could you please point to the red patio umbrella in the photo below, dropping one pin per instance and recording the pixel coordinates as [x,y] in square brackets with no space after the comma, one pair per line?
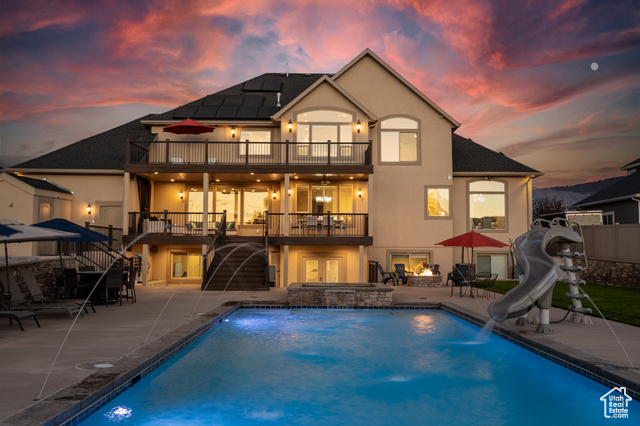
[471,239]
[188,127]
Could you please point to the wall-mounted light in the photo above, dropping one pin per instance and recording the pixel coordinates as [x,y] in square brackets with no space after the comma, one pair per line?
[290,126]
[360,192]
[89,208]
[358,126]
[233,132]
[289,191]
[181,195]
[274,195]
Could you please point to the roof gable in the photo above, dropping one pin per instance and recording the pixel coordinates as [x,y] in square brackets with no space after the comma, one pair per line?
[325,80]
[369,53]
[627,187]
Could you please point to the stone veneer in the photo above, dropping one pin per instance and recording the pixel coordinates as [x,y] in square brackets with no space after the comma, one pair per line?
[343,295]
[43,271]
[424,280]
[610,272]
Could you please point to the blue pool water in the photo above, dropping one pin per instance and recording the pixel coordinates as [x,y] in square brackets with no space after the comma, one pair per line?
[309,367]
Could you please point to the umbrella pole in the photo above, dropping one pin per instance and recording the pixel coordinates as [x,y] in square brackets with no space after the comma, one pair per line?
[6,264]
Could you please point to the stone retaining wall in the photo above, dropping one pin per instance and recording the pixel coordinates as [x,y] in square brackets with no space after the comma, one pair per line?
[341,295]
[43,271]
[609,272]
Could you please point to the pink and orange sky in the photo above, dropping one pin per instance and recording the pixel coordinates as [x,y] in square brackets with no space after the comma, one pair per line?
[553,84]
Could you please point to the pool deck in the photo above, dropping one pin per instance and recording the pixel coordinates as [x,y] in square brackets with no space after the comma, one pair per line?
[123,335]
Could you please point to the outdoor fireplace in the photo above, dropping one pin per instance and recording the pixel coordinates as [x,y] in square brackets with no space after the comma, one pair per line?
[424,278]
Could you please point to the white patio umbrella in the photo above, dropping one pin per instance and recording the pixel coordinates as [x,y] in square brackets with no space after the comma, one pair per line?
[27,233]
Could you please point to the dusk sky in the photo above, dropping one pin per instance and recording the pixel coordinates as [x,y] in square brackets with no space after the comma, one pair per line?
[553,84]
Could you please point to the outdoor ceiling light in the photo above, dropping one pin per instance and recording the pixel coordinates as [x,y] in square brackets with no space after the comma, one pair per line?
[181,195]
[358,126]
[290,126]
[88,208]
[360,192]
[233,132]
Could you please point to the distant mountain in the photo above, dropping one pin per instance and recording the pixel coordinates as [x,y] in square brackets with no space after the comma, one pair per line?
[574,193]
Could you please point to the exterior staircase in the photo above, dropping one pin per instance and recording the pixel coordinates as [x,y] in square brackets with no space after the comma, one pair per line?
[249,277]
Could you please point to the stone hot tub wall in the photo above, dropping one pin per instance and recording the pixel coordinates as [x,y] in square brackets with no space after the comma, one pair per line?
[340,294]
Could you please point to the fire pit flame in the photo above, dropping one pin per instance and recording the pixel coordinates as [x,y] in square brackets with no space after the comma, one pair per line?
[427,272]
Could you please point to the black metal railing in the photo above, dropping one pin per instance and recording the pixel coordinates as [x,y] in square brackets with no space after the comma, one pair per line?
[111,232]
[178,223]
[249,153]
[319,225]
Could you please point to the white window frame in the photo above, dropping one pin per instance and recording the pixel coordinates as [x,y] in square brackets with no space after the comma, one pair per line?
[399,131]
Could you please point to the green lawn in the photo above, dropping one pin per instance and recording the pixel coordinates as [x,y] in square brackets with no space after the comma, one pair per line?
[616,303]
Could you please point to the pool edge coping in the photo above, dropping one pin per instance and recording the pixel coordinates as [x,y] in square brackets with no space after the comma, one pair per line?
[74,403]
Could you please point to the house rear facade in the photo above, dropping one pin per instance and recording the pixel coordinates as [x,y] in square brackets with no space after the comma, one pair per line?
[305,178]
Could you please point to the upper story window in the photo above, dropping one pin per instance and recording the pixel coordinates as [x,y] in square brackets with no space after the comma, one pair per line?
[487,204]
[438,202]
[399,140]
[324,126]
[254,137]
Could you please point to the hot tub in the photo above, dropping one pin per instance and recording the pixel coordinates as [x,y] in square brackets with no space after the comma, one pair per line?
[339,295]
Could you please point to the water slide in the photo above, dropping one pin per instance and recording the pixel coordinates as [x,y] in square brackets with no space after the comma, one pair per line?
[539,270]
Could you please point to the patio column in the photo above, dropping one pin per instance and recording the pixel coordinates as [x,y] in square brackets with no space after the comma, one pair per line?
[361,265]
[205,205]
[285,191]
[125,203]
[370,203]
[145,261]
[285,267]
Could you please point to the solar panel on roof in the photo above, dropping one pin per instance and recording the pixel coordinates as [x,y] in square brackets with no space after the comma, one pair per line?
[227,111]
[185,111]
[253,86]
[247,112]
[267,111]
[233,100]
[206,111]
[271,86]
[253,100]
[213,100]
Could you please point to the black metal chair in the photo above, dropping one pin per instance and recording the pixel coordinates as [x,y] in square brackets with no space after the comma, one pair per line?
[113,281]
[130,285]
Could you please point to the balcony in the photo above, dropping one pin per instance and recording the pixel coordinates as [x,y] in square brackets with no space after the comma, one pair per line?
[275,157]
[303,228]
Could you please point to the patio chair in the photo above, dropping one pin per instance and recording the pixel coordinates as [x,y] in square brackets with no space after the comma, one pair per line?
[386,276]
[19,316]
[401,272]
[18,301]
[130,285]
[329,226]
[38,297]
[435,269]
[485,281]
[113,281]
[460,281]
[311,224]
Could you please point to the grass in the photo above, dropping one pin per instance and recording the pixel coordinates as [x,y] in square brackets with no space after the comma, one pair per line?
[619,304]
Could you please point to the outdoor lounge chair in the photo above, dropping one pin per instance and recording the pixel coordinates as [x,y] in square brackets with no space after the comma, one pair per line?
[38,297]
[386,276]
[402,273]
[18,302]
[19,316]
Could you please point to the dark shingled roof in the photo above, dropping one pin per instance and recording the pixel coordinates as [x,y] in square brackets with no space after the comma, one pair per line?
[634,164]
[469,156]
[104,151]
[254,99]
[41,184]
[627,187]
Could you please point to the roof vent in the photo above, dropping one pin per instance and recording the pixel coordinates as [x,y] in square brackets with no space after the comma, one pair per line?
[278,103]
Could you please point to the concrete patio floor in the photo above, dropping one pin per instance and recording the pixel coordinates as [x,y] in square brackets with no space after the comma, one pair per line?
[26,358]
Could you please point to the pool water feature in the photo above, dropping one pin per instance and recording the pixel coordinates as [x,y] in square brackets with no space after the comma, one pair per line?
[365,367]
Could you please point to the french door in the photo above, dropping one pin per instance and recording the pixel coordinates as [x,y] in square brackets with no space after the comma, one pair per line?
[322,270]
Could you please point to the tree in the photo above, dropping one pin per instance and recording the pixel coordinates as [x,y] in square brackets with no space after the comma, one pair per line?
[544,206]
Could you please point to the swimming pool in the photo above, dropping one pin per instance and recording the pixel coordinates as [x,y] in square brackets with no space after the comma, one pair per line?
[356,367]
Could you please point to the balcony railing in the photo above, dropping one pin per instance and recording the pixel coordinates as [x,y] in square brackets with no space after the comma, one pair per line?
[320,225]
[259,153]
[176,223]
[300,224]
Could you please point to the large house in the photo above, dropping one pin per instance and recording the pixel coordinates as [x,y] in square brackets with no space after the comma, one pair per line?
[315,174]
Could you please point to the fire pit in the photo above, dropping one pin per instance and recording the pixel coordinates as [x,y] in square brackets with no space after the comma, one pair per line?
[425,279]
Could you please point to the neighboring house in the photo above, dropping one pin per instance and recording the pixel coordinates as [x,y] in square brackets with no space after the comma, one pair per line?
[29,201]
[620,202]
[337,170]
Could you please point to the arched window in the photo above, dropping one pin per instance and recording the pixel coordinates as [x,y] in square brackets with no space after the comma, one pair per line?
[399,140]
[322,126]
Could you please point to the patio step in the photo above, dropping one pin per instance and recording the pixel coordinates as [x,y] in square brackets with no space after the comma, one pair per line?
[239,270]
